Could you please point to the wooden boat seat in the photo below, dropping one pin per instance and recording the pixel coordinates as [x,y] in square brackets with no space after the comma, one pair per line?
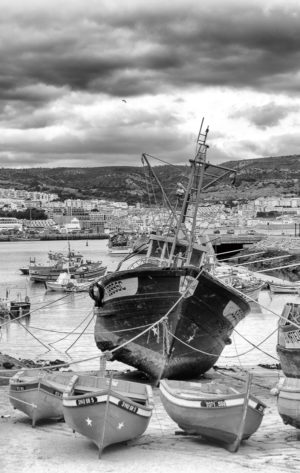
[83,388]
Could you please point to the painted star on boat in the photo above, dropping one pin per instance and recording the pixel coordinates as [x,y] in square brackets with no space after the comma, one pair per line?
[89,421]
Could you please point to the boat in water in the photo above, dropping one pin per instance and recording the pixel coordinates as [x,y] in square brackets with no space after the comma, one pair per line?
[16,307]
[284,287]
[119,244]
[82,271]
[212,410]
[241,279]
[111,410]
[166,315]
[67,282]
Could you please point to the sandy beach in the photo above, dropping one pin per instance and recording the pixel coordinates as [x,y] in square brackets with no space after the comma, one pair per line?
[52,447]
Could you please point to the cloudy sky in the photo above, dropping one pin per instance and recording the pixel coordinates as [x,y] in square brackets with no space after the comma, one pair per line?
[98,82]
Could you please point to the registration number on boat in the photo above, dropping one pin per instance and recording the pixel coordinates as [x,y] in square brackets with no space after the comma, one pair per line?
[128,407]
[87,401]
[220,403]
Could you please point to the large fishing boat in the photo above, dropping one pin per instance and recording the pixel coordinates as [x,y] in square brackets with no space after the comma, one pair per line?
[166,314]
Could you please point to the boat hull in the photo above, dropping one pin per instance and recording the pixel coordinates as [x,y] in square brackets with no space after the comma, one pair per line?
[216,418]
[79,275]
[289,360]
[106,417]
[200,316]
[119,251]
[38,396]
[284,288]
[288,402]
[19,308]
[288,346]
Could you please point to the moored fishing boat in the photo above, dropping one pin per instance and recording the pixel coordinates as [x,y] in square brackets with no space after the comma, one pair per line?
[20,307]
[284,287]
[111,410]
[250,289]
[240,279]
[82,272]
[14,308]
[212,410]
[166,315]
[119,244]
[67,282]
[288,345]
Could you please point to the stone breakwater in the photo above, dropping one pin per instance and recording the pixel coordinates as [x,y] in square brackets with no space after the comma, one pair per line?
[287,244]
[282,253]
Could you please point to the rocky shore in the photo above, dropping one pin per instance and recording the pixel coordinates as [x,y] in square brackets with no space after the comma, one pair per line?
[10,365]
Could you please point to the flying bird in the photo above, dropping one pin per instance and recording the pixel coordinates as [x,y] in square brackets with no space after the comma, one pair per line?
[123,100]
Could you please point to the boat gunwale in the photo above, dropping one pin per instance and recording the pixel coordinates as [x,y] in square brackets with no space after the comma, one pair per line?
[211,397]
[109,393]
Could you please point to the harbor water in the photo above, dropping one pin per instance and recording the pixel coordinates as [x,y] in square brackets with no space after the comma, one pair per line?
[61,324]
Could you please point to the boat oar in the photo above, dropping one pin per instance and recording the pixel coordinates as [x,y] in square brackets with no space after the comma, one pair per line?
[235,445]
[105,416]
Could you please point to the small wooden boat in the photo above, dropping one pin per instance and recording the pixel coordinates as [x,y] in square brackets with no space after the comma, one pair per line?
[250,289]
[67,282]
[288,402]
[212,410]
[284,287]
[38,393]
[288,344]
[15,308]
[119,244]
[20,307]
[112,411]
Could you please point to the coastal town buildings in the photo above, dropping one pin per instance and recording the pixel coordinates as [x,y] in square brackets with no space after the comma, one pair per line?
[98,216]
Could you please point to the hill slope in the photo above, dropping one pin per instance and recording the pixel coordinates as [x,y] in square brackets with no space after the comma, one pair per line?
[255,177]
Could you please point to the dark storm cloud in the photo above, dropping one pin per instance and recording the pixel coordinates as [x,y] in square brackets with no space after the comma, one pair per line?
[265,116]
[137,50]
[100,145]
[59,56]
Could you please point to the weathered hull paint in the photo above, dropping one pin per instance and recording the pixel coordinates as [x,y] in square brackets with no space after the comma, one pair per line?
[199,321]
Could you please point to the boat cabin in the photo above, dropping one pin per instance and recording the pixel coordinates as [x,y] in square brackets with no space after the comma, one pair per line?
[162,247]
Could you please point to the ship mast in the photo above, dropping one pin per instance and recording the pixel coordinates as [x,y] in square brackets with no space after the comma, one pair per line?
[192,195]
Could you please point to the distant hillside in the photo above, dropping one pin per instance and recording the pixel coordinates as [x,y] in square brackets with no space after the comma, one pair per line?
[255,177]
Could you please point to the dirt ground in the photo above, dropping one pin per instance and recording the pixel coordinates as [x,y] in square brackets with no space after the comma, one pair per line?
[52,447]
